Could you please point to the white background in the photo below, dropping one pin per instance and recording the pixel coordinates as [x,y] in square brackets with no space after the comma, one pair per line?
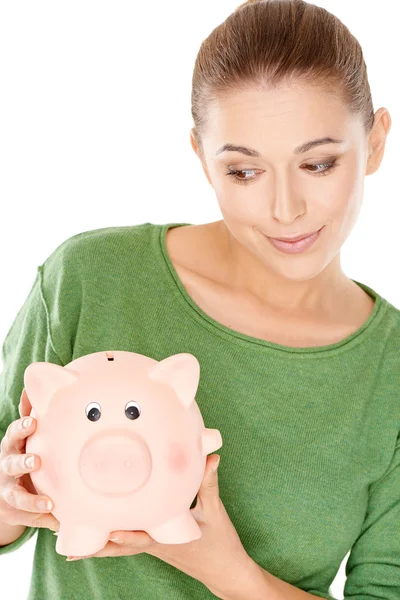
[95,121]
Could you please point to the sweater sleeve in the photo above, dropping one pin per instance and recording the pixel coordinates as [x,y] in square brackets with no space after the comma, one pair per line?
[373,566]
[30,339]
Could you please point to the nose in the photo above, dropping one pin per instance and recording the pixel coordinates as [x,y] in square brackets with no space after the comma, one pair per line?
[289,204]
[115,464]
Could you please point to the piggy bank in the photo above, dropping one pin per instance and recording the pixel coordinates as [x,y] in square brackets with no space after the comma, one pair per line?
[122,444]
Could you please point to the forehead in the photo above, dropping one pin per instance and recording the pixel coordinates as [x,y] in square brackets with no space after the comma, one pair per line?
[289,115]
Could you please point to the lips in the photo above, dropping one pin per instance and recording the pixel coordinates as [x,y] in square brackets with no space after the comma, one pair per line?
[295,239]
[295,247]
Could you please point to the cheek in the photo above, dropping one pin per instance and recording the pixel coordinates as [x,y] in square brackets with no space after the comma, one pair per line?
[346,202]
[177,459]
[348,190]
[241,200]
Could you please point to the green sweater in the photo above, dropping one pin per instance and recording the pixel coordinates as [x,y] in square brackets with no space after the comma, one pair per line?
[310,462]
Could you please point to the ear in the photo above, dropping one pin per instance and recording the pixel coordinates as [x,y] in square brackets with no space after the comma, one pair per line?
[42,380]
[199,150]
[181,372]
[193,141]
[377,140]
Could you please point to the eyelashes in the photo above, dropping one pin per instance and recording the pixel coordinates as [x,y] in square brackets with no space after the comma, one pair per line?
[329,166]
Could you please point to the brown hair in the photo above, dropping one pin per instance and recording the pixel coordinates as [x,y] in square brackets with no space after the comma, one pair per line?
[266,42]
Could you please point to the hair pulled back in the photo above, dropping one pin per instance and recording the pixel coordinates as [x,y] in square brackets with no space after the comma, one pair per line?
[267,43]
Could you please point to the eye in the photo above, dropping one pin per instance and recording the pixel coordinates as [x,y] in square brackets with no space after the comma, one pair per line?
[234,173]
[93,411]
[132,410]
[329,166]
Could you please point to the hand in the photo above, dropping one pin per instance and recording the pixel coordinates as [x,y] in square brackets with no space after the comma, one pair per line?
[18,498]
[218,554]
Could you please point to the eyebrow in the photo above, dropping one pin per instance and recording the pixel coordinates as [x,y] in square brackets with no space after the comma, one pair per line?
[299,150]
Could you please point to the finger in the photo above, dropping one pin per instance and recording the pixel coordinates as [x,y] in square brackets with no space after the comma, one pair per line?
[110,549]
[42,520]
[138,539]
[16,465]
[17,497]
[104,552]
[16,434]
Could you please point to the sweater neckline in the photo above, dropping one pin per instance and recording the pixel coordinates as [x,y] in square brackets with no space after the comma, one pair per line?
[238,337]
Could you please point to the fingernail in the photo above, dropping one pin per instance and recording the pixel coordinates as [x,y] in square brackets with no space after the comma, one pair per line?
[215,467]
[44,505]
[30,462]
[27,422]
[115,540]
[73,558]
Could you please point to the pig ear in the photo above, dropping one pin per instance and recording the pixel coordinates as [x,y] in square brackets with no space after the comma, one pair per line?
[42,380]
[181,372]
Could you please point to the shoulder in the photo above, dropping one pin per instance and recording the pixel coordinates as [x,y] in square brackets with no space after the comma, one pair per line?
[386,353]
[87,249]
[393,323]
[86,268]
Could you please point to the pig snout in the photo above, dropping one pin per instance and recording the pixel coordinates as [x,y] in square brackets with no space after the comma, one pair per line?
[115,463]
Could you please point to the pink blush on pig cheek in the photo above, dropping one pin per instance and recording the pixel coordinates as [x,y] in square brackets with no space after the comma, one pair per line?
[177,460]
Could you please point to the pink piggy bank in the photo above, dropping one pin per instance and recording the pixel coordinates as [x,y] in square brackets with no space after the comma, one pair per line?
[122,445]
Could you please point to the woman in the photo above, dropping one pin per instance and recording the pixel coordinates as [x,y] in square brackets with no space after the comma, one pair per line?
[299,363]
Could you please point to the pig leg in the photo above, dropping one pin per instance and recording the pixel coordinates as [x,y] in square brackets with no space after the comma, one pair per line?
[178,530]
[80,540]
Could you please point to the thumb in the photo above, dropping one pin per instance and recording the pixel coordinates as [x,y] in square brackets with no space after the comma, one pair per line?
[210,479]
[24,406]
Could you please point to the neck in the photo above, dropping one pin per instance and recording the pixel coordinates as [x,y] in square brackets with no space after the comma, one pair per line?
[246,273]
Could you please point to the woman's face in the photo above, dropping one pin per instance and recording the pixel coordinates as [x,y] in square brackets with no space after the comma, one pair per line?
[284,192]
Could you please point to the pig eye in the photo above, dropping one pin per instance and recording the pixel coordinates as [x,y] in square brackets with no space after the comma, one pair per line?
[93,411]
[132,410]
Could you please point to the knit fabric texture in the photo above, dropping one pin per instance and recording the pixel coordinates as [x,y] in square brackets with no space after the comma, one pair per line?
[310,462]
